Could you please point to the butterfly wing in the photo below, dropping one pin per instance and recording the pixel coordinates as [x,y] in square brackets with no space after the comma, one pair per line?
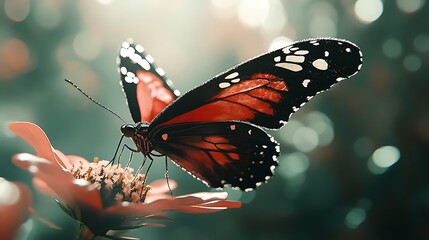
[220,153]
[147,89]
[266,90]
[213,130]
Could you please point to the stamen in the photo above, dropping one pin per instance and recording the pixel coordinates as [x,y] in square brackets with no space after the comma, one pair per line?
[114,182]
[88,174]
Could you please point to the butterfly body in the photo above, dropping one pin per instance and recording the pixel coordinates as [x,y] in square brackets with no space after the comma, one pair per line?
[215,131]
[138,133]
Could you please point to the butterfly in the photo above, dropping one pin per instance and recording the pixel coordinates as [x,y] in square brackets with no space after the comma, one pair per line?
[215,131]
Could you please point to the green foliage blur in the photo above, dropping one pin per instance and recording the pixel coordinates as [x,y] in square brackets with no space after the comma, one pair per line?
[355,160]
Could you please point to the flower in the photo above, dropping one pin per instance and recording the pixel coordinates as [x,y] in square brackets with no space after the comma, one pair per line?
[102,196]
[15,201]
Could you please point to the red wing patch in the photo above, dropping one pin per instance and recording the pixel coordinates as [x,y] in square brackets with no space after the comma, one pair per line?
[217,153]
[240,101]
[146,87]
[152,96]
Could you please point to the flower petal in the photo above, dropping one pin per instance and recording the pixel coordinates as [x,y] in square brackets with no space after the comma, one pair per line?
[209,195]
[36,137]
[74,159]
[15,201]
[212,207]
[41,186]
[73,192]
[160,186]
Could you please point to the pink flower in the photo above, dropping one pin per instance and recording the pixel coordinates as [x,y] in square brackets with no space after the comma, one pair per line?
[15,201]
[105,197]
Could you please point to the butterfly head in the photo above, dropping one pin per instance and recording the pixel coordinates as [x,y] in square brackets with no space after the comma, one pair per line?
[138,133]
[131,130]
[128,130]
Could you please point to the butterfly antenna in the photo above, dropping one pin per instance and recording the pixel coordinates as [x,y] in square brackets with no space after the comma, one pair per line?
[93,100]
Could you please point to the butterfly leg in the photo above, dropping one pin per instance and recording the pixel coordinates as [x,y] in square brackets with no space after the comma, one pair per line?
[116,151]
[166,176]
[148,168]
[122,151]
[130,160]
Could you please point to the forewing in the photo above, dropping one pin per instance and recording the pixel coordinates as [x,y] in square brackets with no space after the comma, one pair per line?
[220,153]
[266,90]
[147,89]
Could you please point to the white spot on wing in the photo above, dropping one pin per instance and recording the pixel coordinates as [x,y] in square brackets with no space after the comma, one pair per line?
[286,50]
[125,44]
[348,50]
[232,75]
[144,64]
[301,52]
[232,127]
[305,82]
[292,58]
[149,58]
[320,64]
[139,48]
[236,80]
[160,71]
[131,74]
[224,84]
[277,59]
[290,66]
[124,70]
[326,54]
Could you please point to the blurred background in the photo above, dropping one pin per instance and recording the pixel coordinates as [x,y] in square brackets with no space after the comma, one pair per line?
[355,160]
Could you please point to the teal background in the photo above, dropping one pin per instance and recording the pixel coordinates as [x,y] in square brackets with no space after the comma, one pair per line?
[336,178]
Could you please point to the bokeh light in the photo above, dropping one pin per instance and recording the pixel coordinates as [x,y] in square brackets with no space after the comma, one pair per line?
[253,13]
[383,158]
[279,42]
[86,46]
[313,131]
[323,20]
[410,6]
[355,217]
[421,43]
[17,10]
[293,164]
[412,63]
[368,11]
[10,193]
[14,58]
[322,125]
[47,13]
[392,48]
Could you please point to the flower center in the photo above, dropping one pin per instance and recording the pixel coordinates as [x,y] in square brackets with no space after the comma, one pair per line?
[114,182]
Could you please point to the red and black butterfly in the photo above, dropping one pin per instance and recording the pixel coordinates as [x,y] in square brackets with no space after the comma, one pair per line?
[214,132]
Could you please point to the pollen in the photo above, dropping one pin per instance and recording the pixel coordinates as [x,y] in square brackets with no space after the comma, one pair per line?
[115,183]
